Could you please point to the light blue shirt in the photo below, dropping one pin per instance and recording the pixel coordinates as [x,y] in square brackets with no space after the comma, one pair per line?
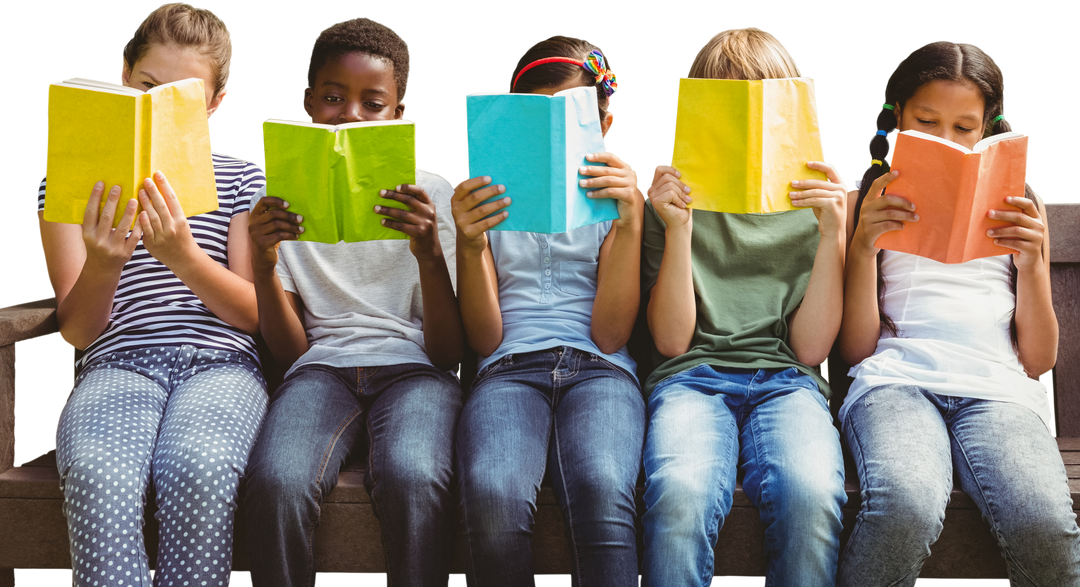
[547,284]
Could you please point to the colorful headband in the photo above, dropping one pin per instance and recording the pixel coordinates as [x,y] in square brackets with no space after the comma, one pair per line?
[594,63]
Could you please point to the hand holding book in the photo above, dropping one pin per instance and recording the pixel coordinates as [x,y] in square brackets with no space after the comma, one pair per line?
[417,221]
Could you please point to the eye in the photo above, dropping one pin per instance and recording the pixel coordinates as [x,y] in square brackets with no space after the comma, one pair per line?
[149,85]
[926,122]
[374,105]
[333,99]
[964,129]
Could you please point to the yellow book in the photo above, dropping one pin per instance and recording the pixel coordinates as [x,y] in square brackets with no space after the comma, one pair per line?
[740,143]
[120,135]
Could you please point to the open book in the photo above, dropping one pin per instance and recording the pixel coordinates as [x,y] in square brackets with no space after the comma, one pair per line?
[332,175]
[120,135]
[953,188]
[534,144]
[740,143]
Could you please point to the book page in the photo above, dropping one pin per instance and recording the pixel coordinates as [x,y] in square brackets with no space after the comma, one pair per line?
[789,139]
[298,161]
[1001,170]
[373,157]
[583,136]
[180,144]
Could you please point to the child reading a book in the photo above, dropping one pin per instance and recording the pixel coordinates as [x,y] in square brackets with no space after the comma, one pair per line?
[368,331]
[742,308]
[550,315]
[946,356]
[168,386]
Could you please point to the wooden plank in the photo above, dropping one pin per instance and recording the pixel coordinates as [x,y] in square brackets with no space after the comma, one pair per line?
[1068,444]
[7,407]
[27,321]
[1065,285]
[1063,220]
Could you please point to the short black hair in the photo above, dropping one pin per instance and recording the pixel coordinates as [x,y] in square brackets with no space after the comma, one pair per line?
[361,35]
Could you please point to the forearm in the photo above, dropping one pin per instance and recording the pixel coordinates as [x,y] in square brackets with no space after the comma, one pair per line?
[618,292]
[279,324]
[478,299]
[83,313]
[860,327]
[814,331]
[672,311]
[226,294]
[443,337]
[1036,322]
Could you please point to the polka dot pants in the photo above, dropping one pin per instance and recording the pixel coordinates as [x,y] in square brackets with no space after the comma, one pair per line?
[183,416]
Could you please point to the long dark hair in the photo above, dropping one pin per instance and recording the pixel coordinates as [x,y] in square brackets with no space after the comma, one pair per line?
[956,62]
[551,75]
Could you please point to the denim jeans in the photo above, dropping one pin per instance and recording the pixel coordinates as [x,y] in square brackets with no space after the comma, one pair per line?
[581,418]
[774,425]
[182,416]
[315,420]
[906,442]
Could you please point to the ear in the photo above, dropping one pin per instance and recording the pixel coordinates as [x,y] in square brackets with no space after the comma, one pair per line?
[125,74]
[605,124]
[215,103]
[399,111]
[308,97]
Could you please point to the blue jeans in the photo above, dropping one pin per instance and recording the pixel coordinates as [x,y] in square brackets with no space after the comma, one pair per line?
[182,416]
[774,425]
[316,419]
[581,418]
[906,442]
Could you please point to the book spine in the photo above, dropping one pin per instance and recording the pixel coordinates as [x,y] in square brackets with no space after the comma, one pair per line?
[144,127]
[967,231]
[755,152]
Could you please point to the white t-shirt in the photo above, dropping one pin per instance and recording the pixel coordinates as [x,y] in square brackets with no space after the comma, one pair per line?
[362,303]
[953,333]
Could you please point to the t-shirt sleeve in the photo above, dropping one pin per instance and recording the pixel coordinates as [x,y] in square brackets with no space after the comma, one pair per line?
[440,192]
[286,277]
[652,248]
[41,196]
[252,187]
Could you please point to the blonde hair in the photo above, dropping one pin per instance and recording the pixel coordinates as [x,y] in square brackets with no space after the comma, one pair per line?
[748,54]
[186,27]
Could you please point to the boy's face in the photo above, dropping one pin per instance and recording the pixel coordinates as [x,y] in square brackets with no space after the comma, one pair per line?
[353,87]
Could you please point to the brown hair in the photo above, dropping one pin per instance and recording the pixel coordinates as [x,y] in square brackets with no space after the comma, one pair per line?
[747,54]
[556,74]
[186,27]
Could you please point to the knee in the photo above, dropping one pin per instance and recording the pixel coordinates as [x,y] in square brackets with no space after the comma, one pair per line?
[274,486]
[419,477]
[494,502]
[907,509]
[680,503]
[606,487]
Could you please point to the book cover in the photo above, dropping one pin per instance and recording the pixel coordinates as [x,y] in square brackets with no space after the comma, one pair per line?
[120,135]
[534,144]
[953,188]
[332,175]
[740,143]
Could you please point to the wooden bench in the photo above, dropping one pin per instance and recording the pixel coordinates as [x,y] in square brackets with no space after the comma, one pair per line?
[33,533]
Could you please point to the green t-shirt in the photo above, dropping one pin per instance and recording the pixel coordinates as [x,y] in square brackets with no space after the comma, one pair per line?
[750,273]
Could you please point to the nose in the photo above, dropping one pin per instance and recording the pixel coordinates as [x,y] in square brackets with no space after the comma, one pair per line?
[352,112]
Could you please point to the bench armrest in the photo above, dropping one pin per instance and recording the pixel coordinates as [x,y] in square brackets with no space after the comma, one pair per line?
[17,323]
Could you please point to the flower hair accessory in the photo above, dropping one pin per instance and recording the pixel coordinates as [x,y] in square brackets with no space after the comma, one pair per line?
[594,63]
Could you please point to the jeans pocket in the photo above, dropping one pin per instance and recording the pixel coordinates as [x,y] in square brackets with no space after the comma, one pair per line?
[493,368]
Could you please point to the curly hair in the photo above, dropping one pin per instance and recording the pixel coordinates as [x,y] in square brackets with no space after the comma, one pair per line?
[361,35]
[187,27]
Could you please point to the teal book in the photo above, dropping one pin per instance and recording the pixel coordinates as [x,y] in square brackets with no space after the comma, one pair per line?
[332,175]
[534,144]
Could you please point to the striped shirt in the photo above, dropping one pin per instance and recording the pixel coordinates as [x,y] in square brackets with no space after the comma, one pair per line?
[153,307]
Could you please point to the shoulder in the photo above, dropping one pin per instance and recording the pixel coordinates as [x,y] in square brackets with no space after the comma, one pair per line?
[436,187]
[237,172]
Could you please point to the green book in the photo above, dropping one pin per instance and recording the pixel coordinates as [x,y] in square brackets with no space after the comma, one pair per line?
[332,175]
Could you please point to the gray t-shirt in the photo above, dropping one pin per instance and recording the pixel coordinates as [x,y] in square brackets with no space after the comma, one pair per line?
[362,303]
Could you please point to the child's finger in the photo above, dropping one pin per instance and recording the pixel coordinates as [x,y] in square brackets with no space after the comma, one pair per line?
[168,195]
[890,201]
[606,158]
[611,192]
[603,182]
[662,170]
[1018,218]
[126,219]
[93,207]
[480,212]
[1029,207]
[879,184]
[133,238]
[407,199]
[414,191]
[468,186]
[153,213]
[403,215]
[156,201]
[893,214]
[479,196]
[1015,232]
[830,171]
[817,184]
[269,202]
[487,223]
[279,214]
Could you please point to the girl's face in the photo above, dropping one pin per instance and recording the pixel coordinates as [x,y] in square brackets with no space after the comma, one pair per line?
[605,124]
[946,109]
[163,64]
[353,87]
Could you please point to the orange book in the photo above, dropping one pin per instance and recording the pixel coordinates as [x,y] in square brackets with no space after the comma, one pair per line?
[953,188]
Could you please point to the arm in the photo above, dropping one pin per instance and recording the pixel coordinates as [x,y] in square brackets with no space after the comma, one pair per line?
[280,313]
[478,284]
[85,263]
[1036,322]
[618,290]
[167,236]
[812,333]
[672,311]
[860,328]
[443,337]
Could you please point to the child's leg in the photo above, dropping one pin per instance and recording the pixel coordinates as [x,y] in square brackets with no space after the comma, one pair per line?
[595,458]
[691,455]
[794,474]
[311,427]
[901,449]
[502,445]
[410,464]
[1010,465]
[213,415]
[106,435]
